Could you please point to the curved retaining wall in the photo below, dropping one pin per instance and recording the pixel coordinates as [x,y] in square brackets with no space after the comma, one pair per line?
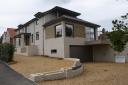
[62,73]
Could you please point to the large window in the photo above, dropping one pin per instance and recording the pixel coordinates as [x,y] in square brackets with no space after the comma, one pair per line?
[58,31]
[37,35]
[89,33]
[69,30]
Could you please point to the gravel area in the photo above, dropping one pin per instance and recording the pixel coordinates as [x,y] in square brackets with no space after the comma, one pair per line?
[97,74]
[37,64]
[94,73]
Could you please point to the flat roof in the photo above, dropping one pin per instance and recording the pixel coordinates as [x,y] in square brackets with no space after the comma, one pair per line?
[71,19]
[59,10]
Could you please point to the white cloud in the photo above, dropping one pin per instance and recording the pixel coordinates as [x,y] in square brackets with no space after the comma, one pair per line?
[100,11]
[15,12]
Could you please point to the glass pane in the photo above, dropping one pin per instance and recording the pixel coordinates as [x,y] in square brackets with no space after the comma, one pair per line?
[69,30]
[58,30]
[89,33]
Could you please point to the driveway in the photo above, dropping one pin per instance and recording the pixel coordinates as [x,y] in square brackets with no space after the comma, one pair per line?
[10,77]
[27,65]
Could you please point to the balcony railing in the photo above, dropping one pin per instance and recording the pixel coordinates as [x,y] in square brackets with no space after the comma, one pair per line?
[102,40]
[97,42]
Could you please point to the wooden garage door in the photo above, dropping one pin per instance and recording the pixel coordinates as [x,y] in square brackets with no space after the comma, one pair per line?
[84,53]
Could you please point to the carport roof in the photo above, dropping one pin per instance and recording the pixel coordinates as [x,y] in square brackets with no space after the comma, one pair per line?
[97,42]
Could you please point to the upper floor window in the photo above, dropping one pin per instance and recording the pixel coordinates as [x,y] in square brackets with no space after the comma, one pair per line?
[22,30]
[89,33]
[25,29]
[37,35]
[69,30]
[58,31]
[37,22]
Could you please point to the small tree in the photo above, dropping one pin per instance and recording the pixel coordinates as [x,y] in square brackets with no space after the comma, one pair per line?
[119,36]
[6,52]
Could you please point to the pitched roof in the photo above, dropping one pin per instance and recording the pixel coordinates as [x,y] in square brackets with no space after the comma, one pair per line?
[11,32]
[72,19]
[30,21]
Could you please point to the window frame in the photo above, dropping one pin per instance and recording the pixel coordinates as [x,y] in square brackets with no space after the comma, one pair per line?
[56,31]
[90,33]
[25,29]
[37,35]
[19,42]
[72,30]
[37,22]
[32,38]
[53,51]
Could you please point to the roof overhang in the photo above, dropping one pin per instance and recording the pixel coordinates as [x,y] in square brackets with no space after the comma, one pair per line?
[31,21]
[71,19]
[25,34]
[97,42]
[59,10]
[21,26]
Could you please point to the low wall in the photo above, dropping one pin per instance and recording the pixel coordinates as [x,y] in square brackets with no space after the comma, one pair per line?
[62,73]
[27,50]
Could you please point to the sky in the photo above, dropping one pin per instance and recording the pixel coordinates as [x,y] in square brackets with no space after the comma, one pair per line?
[102,12]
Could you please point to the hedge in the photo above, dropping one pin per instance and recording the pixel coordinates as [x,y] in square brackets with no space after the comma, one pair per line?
[6,52]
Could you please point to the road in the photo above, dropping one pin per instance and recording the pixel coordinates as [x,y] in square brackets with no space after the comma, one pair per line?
[10,77]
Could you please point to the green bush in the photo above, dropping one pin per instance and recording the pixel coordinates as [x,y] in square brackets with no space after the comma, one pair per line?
[6,52]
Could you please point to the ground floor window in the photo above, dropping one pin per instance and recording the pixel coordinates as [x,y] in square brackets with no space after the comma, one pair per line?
[19,42]
[32,38]
[53,51]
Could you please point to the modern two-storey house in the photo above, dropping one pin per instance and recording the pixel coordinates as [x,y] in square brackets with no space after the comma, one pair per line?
[59,32]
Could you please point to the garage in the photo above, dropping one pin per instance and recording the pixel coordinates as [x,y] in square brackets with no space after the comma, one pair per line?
[84,53]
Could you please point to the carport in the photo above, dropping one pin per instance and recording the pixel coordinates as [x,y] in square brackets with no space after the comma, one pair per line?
[101,50]
[97,50]
[84,53]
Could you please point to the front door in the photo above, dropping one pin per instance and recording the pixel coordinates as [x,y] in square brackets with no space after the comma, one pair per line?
[27,40]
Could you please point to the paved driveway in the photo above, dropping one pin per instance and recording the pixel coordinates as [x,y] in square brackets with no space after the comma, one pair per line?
[10,77]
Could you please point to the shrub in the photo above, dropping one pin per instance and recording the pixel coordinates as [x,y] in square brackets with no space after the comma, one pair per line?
[6,52]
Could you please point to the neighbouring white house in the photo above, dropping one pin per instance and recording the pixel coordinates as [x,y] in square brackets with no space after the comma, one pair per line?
[59,32]
[8,36]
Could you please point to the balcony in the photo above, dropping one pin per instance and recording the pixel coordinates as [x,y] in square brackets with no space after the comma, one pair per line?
[97,42]
[102,40]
